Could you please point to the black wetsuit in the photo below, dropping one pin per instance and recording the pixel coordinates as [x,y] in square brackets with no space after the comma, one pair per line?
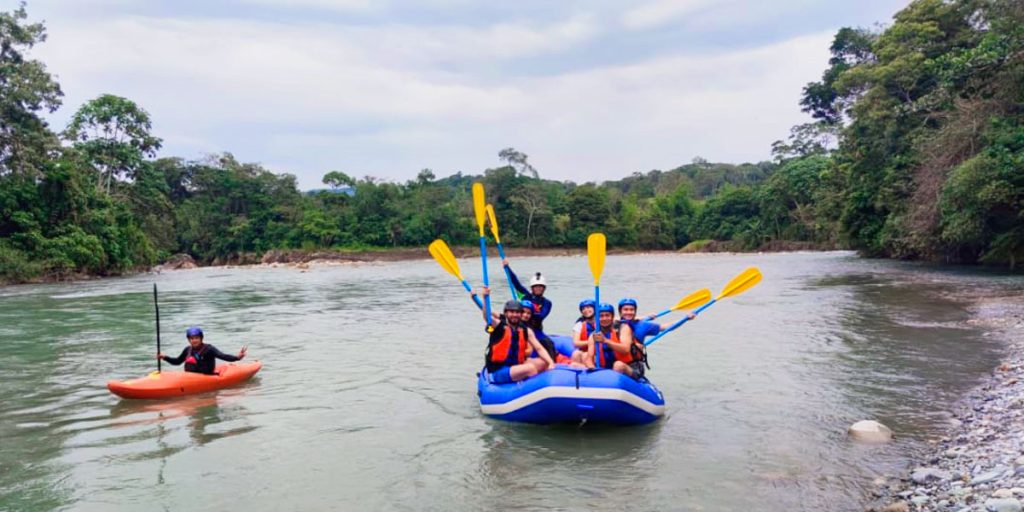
[205,358]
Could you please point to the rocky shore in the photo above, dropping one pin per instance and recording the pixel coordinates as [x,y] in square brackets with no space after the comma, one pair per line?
[979,465]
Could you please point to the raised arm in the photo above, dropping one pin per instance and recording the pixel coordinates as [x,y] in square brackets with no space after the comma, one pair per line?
[495,317]
[515,279]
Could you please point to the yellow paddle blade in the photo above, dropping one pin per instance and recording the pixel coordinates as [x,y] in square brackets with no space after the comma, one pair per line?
[478,206]
[742,282]
[494,223]
[440,251]
[694,300]
[595,254]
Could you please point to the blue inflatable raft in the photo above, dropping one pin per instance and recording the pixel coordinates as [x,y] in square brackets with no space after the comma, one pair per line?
[569,395]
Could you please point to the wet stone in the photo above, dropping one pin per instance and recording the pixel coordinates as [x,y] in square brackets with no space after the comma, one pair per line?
[926,475]
[1003,505]
[988,476]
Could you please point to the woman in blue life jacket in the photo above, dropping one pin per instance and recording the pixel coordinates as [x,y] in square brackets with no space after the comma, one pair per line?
[608,344]
[200,357]
[511,341]
[541,305]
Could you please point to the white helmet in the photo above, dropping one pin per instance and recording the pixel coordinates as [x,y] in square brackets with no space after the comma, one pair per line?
[538,279]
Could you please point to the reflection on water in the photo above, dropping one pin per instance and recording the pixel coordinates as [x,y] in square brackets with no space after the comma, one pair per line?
[367,397]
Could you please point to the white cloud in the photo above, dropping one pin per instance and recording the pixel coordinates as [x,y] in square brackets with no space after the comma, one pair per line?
[392,99]
[332,5]
[659,12]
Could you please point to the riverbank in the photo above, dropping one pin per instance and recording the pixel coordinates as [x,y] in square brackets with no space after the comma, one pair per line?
[305,258]
[979,464]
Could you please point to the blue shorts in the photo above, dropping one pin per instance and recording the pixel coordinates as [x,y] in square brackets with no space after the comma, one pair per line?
[502,375]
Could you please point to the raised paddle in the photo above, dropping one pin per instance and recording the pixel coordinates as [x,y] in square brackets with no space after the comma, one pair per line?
[156,306]
[481,213]
[691,301]
[501,250]
[444,257]
[596,245]
[738,285]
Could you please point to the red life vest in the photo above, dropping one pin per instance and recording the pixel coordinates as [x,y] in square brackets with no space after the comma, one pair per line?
[509,350]
[610,355]
[584,329]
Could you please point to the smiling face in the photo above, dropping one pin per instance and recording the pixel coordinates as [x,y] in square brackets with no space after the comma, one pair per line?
[513,315]
[627,312]
[587,311]
[195,341]
[526,314]
[605,318]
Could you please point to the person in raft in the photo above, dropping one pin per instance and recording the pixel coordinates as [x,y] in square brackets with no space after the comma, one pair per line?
[541,305]
[612,344]
[584,324]
[509,345]
[200,357]
[544,339]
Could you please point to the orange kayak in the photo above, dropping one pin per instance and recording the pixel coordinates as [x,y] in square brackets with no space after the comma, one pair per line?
[172,384]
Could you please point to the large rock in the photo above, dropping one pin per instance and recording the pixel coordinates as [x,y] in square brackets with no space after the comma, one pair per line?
[177,262]
[1003,505]
[870,431]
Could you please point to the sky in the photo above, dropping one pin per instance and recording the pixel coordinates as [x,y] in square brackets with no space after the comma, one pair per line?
[590,90]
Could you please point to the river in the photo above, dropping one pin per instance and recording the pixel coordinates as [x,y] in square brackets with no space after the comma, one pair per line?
[367,397]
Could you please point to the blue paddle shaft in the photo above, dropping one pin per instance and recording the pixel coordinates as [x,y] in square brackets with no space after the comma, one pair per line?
[663,313]
[476,299]
[597,326]
[487,283]
[677,324]
[508,274]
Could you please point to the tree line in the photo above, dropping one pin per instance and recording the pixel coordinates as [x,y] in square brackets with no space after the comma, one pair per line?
[916,151]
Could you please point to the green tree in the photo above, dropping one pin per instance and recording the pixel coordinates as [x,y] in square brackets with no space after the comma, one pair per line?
[26,89]
[112,133]
[338,179]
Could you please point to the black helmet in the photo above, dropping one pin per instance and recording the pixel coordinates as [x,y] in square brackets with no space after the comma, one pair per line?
[513,305]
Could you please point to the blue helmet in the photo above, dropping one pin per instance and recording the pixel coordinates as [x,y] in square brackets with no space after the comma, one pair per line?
[527,304]
[627,302]
[605,308]
[587,302]
[193,331]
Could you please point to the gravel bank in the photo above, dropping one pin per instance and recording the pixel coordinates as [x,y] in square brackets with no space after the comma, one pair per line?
[979,466]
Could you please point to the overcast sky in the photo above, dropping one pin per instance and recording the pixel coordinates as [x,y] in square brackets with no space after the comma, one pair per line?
[589,89]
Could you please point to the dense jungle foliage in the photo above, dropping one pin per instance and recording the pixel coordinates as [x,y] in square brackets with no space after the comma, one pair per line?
[916,151]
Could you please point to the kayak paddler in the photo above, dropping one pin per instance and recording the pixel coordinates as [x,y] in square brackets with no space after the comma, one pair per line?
[200,357]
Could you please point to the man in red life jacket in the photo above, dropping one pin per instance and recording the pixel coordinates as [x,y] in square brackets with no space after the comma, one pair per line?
[509,346]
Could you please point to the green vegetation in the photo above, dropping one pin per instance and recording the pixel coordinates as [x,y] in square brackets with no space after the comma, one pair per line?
[916,151]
